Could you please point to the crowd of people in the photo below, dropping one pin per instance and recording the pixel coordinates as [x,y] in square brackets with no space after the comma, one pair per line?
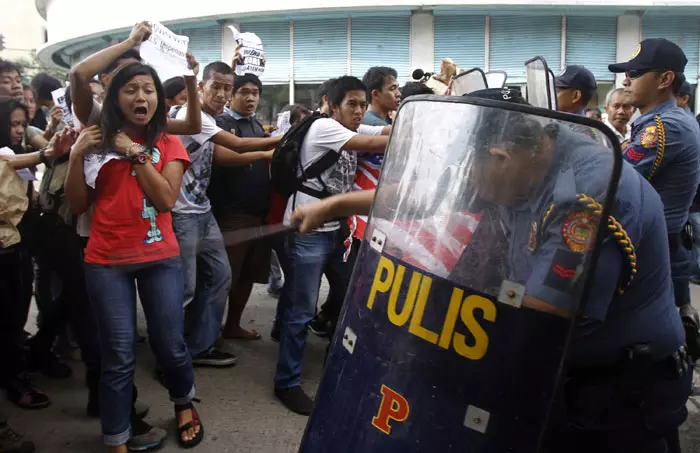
[138,194]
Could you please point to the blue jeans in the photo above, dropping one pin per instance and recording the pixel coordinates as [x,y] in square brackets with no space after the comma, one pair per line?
[207,278]
[305,257]
[113,296]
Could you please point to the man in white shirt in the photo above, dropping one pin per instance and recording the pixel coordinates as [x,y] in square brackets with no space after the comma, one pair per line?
[201,243]
[619,110]
[307,255]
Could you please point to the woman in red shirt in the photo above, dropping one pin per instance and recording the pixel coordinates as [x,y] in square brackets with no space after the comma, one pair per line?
[133,181]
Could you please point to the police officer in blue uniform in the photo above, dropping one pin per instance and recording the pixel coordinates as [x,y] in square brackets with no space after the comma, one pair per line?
[629,378]
[665,149]
[685,97]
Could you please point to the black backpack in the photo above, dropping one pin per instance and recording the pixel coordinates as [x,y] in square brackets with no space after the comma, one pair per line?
[285,167]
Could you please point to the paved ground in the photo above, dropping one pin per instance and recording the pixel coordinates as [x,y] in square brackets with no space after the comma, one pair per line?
[238,408]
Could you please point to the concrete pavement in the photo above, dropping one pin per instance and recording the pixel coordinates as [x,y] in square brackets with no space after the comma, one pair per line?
[238,408]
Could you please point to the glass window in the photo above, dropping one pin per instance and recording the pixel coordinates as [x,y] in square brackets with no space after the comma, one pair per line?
[305,94]
[273,99]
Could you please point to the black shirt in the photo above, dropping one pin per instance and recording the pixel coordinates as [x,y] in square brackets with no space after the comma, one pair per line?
[241,190]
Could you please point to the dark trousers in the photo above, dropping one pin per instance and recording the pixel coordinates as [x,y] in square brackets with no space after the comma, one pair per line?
[338,274]
[58,249]
[637,412]
[16,276]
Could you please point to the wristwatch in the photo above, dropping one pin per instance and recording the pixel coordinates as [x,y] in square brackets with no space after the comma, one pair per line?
[140,158]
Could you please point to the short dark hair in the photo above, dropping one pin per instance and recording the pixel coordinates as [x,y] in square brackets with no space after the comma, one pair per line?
[217,66]
[112,118]
[323,91]
[296,112]
[593,109]
[342,86]
[7,106]
[44,84]
[241,80]
[172,87]
[415,88]
[128,55]
[8,66]
[374,79]
[678,80]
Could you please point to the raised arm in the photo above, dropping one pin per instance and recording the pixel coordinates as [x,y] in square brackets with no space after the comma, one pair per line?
[57,147]
[224,157]
[312,216]
[192,124]
[86,70]
[243,145]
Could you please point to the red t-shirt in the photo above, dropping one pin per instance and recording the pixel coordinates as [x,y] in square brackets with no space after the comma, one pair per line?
[126,227]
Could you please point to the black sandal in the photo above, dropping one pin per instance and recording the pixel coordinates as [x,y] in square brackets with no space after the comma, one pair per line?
[196,421]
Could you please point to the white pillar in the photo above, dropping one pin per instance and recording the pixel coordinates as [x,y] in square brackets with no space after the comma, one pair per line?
[422,41]
[629,35]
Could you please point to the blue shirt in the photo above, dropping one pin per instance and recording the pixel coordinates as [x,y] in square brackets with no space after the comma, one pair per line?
[677,175]
[548,264]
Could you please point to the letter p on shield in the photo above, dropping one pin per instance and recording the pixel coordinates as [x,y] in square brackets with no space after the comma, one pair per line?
[393,407]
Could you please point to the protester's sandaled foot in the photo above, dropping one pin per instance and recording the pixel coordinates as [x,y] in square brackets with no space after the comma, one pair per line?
[190,431]
[239,333]
[295,399]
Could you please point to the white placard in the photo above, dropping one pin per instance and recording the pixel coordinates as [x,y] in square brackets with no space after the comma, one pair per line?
[23,173]
[166,52]
[59,98]
[251,51]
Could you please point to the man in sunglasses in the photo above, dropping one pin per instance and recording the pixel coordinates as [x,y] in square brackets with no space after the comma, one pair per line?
[665,148]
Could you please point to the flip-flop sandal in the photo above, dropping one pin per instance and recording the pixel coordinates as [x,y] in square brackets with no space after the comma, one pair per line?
[196,421]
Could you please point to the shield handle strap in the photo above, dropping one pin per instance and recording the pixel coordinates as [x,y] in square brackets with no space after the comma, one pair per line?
[616,231]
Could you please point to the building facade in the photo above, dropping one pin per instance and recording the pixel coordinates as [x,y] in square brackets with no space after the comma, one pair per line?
[309,41]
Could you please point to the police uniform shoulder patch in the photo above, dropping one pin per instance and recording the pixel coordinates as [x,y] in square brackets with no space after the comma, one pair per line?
[649,137]
[578,230]
[532,240]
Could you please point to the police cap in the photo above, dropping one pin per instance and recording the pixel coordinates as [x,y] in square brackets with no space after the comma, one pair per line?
[686,89]
[656,53]
[579,78]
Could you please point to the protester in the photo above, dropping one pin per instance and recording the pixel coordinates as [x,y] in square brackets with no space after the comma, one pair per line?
[619,110]
[175,91]
[575,87]
[201,243]
[10,80]
[134,180]
[49,115]
[308,255]
[240,198]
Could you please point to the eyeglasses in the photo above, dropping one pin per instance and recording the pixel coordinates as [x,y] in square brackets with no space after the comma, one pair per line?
[637,73]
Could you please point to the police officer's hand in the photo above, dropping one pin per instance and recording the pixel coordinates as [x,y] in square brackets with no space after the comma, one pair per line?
[310,216]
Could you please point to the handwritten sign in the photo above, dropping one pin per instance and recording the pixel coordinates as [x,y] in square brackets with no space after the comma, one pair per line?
[24,173]
[166,52]
[59,98]
[251,51]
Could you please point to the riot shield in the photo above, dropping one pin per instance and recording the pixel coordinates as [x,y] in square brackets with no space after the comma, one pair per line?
[468,82]
[540,84]
[496,79]
[438,347]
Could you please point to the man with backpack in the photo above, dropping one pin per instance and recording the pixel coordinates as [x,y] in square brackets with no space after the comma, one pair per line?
[316,158]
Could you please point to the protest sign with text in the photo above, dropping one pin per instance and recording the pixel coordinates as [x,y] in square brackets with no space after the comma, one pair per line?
[166,52]
[250,51]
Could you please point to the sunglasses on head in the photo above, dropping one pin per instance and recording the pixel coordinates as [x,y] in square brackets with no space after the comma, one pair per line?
[637,73]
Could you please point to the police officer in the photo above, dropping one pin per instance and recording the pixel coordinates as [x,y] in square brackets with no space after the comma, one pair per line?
[576,86]
[665,149]
[685,96]
[629,380]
